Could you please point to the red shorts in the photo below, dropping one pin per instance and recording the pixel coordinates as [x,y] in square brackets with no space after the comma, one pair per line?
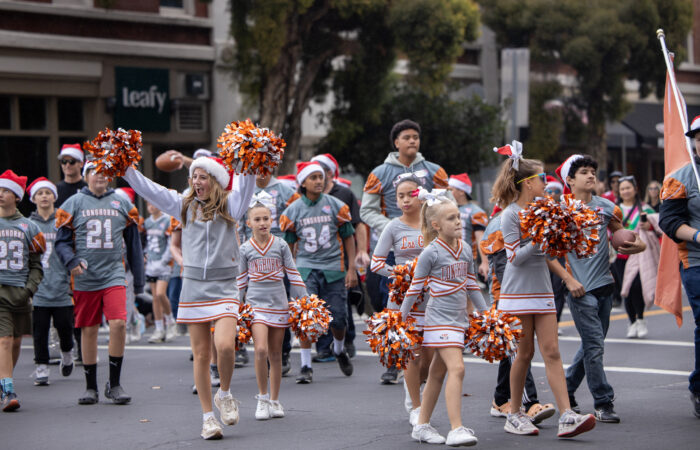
[90,305]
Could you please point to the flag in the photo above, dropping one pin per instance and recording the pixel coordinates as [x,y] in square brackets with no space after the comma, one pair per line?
[668,286]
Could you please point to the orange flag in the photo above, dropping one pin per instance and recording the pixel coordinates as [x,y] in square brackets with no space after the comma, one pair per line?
[668,285]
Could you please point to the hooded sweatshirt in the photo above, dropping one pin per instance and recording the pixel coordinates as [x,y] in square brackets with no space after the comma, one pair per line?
[54,289]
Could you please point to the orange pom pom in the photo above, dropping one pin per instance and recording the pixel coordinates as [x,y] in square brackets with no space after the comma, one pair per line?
[561,227]
[493,335]
[246,148]
[245,325]
[309,317]
[115,151]
[393,339]
[400,282]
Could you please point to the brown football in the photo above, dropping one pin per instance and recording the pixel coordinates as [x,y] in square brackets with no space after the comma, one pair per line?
[621,236]
[169,161]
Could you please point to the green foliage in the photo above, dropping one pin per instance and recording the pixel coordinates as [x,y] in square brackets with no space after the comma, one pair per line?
[457,134]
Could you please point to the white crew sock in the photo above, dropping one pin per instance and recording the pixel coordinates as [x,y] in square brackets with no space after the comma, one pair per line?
[207,415]
[338,345]
[159,325]
[305,357]
[67,358]
[223,393]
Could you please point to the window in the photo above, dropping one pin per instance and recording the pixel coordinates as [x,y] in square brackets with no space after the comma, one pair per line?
[171,3]
[5,113]
[32,113]
[70,114]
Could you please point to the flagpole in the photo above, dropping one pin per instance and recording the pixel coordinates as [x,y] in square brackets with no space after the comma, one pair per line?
[672,78]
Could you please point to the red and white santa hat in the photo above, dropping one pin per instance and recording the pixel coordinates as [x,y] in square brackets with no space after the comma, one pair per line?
[15,183]
[41,183]
[74,151]
[563,170]
[694,127]
[126,193]
[289,180]
[328,162]
[344,182]
[216,168]
[552,183]
[462,182]
[496,210]
[304,169]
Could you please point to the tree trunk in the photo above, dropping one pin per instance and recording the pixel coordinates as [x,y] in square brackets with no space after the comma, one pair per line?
[597,145]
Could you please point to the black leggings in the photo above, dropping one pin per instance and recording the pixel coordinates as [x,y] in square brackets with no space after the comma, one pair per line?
[502,393]
[634,302]
[62,321]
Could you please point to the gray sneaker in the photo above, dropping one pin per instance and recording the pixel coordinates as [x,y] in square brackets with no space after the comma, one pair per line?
[520,423]
[572,424]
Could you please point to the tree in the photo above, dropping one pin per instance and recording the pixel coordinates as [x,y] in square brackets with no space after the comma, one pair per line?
[605,43]
[288,53]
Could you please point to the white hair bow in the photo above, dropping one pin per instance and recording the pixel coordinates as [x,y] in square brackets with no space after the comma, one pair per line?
[263,198]
[433,197]
[513,151]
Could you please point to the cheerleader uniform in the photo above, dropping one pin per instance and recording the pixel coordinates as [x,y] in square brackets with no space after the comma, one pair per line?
[450,276]
[407,243]
[262,280]
[209,249]
[526,286]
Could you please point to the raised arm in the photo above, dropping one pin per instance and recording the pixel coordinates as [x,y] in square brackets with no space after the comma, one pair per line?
[167,200]
[241,193]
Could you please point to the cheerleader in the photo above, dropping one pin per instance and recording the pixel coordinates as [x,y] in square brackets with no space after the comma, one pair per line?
[526,291]
[403,236]
[265,258]
[209,294]
[447,266]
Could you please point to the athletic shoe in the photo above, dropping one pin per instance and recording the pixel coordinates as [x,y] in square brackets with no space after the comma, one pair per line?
[391,376]
[344,363]
[194,389]
[306,375]
[241,358]
[461,437]
[214,375]
[323,357]
[66,369]
[695,398]
[228,408]
[607,414]
[350,348]
[413,416]
[262,411]
[642,329]
[539,412]
[632,330]
[426,433]
[407,402]
[572,424]
[286,366]
[41,375]
[211,429]
[117,394]
[520,423]
[158,336]
[276,409]
[170,332]
[573,405]
[499,411]
[90,397]
[10,402]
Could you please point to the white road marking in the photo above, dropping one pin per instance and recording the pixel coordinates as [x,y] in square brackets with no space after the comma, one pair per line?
[634,341]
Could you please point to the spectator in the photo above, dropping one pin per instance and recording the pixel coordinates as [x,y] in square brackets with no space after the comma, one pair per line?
[652,197]
[72,159]
[614,183]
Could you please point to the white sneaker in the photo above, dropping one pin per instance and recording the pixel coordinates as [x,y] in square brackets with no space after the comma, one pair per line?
[413,417]
[520,423]
[632,330]
[41,375]
[461,437]
[262,412]
[572,424]
[642,329]
[426,433]
[170,333]
[157,336]
[211,429]
[276,410]
[407,402]
[228,408]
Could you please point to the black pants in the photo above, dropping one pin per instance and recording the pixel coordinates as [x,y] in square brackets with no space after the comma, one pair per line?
[502,393]
[62,321]
[634,302]
[560,291]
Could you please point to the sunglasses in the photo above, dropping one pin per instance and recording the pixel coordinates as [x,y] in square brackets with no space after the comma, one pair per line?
[543,177]
[69,162]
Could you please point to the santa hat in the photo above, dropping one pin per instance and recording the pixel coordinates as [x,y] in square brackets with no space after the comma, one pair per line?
[201,152]
[126,193]
[344,181]
[15,183]
[552,183]
[563,170]
[88,166]
[694,127]
[41,183]
[496,210]
[461,182]
[328,162]
[289,180]
[304,169]
[72,150]
[216,168]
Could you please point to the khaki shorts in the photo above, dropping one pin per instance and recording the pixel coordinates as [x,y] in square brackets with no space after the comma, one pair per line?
[15,312]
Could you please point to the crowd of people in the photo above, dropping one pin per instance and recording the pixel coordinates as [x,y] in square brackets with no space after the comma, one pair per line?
[84,256]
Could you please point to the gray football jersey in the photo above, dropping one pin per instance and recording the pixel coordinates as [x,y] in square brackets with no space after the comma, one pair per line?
[157,246]
[54,289]
[19,236]
[405,241]
[283,196]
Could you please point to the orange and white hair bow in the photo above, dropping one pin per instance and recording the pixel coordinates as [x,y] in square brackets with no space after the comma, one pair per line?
[513,151]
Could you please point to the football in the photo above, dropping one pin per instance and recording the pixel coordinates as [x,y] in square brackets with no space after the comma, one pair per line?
[621,236]
[169,161]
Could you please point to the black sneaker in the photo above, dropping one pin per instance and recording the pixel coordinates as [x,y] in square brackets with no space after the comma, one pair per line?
[574,406]
[241,358]
[607,414]
[117,394]
[90,397]
[10,402]
[306,375]
[286,367]
[391,376]
[350,348]
[344,362]
[695,398]
[323,357]
[194,389]
[66,369]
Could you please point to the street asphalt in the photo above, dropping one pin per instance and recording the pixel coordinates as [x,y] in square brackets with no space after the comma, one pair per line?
[337,412]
